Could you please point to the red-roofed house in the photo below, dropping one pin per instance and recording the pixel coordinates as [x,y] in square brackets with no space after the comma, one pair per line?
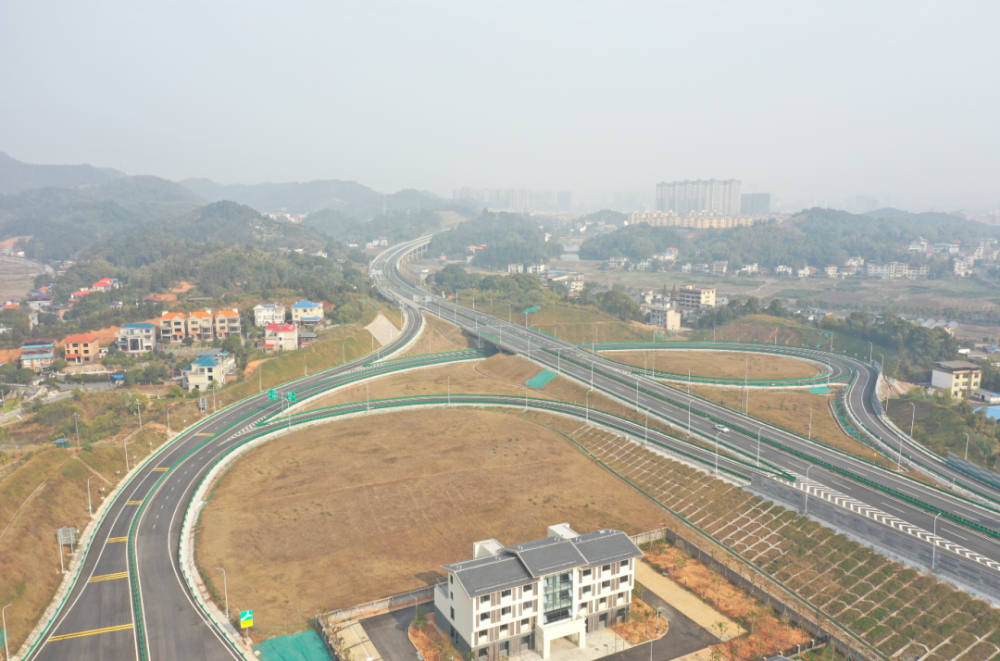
[105,284]
[82,348]
[279,337]
[76,296]
[227,323]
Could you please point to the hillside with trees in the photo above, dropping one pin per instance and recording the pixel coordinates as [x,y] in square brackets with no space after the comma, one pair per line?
[62,221]
[348,197]
[395,225]
[816,237]
[17,176]
[509,238]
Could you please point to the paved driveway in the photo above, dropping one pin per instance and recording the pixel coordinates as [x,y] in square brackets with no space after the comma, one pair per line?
[388,633]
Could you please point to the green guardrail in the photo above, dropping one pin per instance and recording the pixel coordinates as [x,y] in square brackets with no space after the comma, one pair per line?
[850,474]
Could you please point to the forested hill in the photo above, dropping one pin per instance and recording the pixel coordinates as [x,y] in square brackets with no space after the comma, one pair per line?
[509,238]
[16,176]
[348,197]
[815,237]
[229,222]
[64,220]
[394,225]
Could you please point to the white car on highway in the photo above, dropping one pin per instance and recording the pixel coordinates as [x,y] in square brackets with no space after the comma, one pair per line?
[721,428]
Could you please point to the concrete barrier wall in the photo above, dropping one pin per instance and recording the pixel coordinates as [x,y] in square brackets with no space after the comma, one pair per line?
[948,565]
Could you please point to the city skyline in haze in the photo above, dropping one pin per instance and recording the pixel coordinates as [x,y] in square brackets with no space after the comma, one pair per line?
[813,104]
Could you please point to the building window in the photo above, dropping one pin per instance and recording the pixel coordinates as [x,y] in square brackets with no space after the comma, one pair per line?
[525,622]
[528,605]
[624,563]
[453,612]
[505,611]
[606,568]
[505,594]
[484,600]
[606,585]
[451,579]
[558,597]
[484,617]
[526,642]
[527,588]
[586,589]
[503,628]
[586,572]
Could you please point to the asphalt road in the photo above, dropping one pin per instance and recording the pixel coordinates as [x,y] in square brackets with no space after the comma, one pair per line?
[673,404]
[97,620]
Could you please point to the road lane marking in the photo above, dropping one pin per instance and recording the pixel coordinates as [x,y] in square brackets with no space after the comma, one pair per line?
[134,502]
[204,434]
[109,577]
[91,632]
[112,540]
[160,469]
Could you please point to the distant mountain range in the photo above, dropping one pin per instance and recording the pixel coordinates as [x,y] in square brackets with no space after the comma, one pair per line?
[16,177]
[302,198]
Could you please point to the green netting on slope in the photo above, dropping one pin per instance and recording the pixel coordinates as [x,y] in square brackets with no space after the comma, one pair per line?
[305,646]
[541,379]
[820,390]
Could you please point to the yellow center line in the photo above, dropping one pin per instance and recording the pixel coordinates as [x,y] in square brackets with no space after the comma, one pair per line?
[112,540]
[204,434]
[108,577]
[134,502]
[161,468]
[92,632]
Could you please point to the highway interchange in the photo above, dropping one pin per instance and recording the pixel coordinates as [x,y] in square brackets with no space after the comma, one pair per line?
[130,601]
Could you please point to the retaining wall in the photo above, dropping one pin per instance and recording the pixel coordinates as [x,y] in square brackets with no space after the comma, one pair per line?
[947,565]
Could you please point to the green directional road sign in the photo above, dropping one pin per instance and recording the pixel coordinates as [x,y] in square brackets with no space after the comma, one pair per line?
[290,396]
[272,394]
[246,619]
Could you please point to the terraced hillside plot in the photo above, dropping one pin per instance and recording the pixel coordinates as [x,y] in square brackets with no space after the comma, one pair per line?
[892,607]
[718,364]
[340,514]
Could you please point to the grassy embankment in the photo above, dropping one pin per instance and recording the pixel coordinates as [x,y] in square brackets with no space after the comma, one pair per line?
[563,320]
[765,328]
[717,364]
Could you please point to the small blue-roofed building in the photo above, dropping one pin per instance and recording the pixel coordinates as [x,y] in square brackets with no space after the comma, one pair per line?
[213,365]
[510,599]
[307,313]
[136,337]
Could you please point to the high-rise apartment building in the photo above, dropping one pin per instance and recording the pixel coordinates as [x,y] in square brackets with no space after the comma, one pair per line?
[685,197]
[755,204]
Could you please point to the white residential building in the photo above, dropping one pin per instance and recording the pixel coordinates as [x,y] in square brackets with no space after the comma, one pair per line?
[266,314]
[665,317]
[213,365]
[514,269]
[830,270]
[960,269]
[781,269]
[804,272]
[278,337]
[307,312]
[509,599]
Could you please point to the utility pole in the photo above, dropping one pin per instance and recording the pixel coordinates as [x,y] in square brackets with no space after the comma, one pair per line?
[76,424]
[225,584]
[90,503]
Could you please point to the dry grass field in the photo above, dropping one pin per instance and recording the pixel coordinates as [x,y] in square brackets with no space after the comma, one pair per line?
[438,336]
[720,364]
[348,512]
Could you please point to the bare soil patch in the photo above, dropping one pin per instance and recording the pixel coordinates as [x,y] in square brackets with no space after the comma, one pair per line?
[718,364]
[340,514]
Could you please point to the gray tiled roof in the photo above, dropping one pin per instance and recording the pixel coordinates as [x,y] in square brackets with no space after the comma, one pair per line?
[521,564]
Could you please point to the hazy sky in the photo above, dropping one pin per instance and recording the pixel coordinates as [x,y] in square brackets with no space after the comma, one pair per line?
[807,100]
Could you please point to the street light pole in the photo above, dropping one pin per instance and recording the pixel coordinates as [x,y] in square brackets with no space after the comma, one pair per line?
[805,488]
[689,417]
[76,425]
[6,644]
[758,446]
[913,417]
[225,584]
[90,502]
[810,423]
[871,347]
[717,453]
[588,407]
[934,543]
